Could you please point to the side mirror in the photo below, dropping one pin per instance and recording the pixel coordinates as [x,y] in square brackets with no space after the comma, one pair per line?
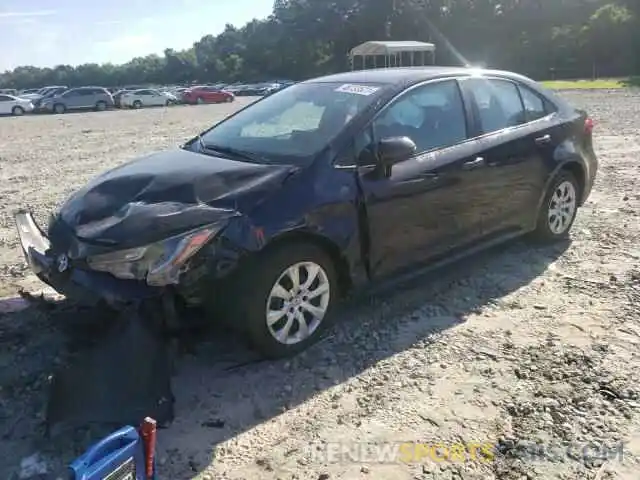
[393,150]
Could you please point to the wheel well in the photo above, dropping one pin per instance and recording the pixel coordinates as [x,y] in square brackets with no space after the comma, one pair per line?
[339,261]
[578,172]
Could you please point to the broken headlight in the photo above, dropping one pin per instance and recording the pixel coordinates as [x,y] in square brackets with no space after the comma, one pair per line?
[159,263]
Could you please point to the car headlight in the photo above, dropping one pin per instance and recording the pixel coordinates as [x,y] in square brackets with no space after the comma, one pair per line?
[159,263]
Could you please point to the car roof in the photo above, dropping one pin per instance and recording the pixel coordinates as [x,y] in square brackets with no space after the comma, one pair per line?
[403,75]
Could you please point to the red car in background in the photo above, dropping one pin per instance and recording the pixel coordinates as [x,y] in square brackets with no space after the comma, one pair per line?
[207,95]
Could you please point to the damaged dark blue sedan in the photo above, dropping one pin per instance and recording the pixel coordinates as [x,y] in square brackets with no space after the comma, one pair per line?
[273,214]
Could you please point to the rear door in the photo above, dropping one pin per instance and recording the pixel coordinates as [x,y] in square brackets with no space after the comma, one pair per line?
[74,98]
[427,204]
[508,143]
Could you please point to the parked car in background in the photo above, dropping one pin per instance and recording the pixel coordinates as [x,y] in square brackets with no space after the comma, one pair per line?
[12,105]
[147,98]
[43,92]
[178,93]
[52,92]
[117,97]
[272,215]
[206,94]
[83,98]
[9,91]
[28,91]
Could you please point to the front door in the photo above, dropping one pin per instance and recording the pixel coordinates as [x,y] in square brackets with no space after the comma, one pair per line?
[6,104]
[425,206]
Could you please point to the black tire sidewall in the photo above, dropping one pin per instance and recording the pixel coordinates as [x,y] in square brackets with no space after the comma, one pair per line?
[59,108]
[543,232]
[17,111]
[248,316]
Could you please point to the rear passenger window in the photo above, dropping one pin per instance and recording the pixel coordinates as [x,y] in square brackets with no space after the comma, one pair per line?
[499,104]
[534,105]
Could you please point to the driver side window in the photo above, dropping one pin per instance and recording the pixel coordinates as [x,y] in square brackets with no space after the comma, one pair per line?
[432,115]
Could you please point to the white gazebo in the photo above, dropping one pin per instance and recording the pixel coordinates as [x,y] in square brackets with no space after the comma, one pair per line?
[385,54]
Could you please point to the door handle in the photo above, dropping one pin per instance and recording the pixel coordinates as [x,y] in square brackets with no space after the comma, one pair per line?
[543,140]
[478,162]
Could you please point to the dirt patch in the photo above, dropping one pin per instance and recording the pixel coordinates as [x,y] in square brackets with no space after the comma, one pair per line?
[532,350]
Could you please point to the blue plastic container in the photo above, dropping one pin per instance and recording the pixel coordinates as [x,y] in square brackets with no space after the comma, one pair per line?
[119,456]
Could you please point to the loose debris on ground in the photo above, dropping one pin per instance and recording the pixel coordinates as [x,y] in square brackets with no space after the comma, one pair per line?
[532,350]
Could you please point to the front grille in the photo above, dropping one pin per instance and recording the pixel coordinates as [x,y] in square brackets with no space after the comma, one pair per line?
[126,471]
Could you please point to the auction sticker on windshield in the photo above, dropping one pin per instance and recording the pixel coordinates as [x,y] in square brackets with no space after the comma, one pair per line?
[357,89]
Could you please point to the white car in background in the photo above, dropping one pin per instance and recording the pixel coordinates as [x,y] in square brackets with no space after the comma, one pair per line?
[147,97]
[10,105]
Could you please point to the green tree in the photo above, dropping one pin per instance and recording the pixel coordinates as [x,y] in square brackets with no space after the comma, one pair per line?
[304,38]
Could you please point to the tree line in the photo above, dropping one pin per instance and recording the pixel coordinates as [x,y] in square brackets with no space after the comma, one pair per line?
[305,38]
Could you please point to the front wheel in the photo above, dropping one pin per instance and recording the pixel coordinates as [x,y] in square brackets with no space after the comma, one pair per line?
[17,111]
[200,100]
[284,301]
[59,108]
[559,208]
[101,106]
[137,104]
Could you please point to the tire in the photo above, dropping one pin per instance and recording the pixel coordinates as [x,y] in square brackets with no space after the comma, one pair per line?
[559,208]
[137,104]
[17,111]
[59,108]
[101,106]
[199,100]
[229,99]
[252,289]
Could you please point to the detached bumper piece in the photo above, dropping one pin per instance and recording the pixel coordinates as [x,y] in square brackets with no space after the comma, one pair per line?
[75,283]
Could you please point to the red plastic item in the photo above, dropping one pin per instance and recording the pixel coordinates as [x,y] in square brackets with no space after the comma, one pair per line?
[588,125]
[148,434]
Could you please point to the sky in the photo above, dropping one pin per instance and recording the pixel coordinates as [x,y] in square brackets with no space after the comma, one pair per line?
[45,33]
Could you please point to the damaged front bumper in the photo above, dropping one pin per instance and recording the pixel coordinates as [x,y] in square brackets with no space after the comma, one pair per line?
[76,283]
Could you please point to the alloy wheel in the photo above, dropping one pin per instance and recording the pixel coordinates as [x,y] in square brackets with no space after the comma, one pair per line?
[298,302]
[562,207]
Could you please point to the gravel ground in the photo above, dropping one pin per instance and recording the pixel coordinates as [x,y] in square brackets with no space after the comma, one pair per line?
[532,350]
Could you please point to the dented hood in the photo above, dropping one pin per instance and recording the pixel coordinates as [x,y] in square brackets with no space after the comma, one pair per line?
[164,194]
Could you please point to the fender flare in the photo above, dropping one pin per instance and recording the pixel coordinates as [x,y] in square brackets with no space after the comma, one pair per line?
[561,166]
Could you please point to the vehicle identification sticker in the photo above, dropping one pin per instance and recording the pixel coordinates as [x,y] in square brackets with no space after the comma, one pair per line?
[357,89]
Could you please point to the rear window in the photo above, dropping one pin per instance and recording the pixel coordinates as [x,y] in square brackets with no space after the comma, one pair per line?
[535,106]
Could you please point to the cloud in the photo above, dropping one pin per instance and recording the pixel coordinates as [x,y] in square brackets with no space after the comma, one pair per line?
[121,21]
[111,22]
[34,13]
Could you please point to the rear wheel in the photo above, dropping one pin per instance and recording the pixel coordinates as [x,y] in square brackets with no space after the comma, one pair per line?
[559,208]
[17,111]
[283,302]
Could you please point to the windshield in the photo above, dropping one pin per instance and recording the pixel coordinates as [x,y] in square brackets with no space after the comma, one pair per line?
[295,123]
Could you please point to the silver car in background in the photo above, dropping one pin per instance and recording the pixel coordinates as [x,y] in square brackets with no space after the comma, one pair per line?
[83,98]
